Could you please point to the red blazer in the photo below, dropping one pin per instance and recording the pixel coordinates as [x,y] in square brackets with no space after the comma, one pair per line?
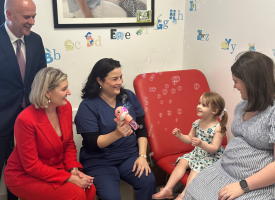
[39,153]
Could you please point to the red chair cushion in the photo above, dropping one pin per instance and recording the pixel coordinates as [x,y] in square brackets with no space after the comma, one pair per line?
[168,164]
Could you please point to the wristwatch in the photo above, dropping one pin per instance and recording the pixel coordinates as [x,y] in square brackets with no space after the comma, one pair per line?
[244,186]
[143,156]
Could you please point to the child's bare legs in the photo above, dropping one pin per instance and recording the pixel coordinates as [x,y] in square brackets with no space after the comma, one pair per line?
[190,178]
[177,174]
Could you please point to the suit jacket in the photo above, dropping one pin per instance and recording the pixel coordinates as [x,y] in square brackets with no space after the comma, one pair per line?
[39,153]
[12,87]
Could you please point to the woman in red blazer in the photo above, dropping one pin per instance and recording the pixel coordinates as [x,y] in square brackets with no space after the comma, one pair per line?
[43,164]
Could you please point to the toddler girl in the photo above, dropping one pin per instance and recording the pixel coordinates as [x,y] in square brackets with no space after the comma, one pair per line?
[206,135]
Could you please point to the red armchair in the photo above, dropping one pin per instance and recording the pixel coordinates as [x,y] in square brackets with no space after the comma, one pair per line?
[170,100]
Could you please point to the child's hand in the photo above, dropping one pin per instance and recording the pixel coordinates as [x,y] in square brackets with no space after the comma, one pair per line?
[196,141]
[176,132]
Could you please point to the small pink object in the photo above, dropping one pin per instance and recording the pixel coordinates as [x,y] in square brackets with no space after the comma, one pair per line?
[122,114]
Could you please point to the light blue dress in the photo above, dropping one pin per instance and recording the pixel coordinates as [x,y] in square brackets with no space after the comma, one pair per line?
[198,159]
[73,6]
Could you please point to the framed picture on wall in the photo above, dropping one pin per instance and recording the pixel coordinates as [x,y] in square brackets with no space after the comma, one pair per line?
[102,13]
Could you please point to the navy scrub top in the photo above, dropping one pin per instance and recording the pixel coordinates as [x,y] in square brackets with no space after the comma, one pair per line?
[95,115]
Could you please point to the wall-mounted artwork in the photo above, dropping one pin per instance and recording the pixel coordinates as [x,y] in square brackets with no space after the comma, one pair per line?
[103,13]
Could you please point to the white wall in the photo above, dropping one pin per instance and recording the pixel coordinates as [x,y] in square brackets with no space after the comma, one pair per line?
[244,22]
[163,48]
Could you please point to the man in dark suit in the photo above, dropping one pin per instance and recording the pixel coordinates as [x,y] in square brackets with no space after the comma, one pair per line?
[22,55]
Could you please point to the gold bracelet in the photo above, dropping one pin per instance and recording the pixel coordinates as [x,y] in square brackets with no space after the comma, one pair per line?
[143,156]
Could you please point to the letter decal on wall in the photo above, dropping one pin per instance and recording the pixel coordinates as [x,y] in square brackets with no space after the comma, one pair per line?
[48,55]
[119,35]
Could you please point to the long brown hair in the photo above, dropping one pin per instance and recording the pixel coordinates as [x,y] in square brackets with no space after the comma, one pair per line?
[215,101]
[256,70]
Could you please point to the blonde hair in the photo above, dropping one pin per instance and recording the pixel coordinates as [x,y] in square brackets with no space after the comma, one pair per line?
[215,101]
[47,78]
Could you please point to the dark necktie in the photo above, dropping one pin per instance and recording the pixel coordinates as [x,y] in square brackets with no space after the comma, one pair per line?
[22,64]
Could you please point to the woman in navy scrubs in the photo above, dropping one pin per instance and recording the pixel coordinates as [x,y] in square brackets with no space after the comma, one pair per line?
[110,152]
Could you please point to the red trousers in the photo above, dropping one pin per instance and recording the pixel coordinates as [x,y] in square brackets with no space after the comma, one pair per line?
[40,190]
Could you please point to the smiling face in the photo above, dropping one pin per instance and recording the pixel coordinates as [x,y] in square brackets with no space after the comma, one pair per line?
[112,84]
[59,95]
[20,17]
[203,110]
[239,85]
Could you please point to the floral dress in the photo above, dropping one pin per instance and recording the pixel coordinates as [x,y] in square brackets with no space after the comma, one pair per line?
[198,159]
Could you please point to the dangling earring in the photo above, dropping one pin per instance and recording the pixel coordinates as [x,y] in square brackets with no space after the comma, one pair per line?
[48,101]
